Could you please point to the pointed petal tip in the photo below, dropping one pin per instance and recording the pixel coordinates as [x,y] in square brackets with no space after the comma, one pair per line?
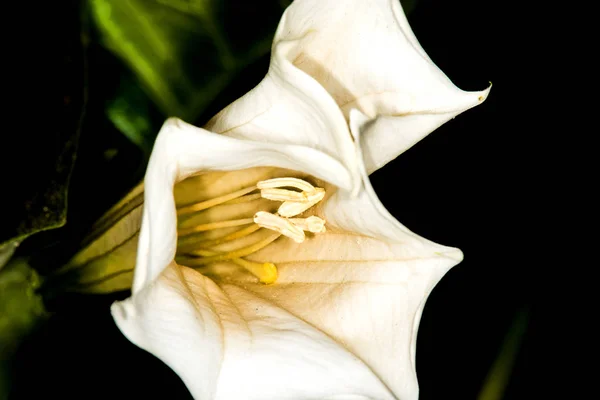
[452,253]
[475,98]
[172,125]
[118,310]
[171,121]
[125,317]
[177,123]
[467,100]
[121,312]
[484,93]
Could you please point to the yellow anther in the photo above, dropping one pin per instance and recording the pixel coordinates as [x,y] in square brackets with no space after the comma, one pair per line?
[293,208]
[214,225]
[265,272]
[203,205]
[285,182]
[283,195]
[278,224]
[312,224]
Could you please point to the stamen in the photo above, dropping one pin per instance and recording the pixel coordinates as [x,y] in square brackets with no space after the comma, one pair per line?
[191,244]
[285,182]
[203,205]
[278,224]
[214,225]
[291,208]
[283,195]
[312,224]
[204,253]
[265,272]
[244,251]
[197,250]
[244,199]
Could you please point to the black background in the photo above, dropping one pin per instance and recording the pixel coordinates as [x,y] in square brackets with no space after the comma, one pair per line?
[470,184]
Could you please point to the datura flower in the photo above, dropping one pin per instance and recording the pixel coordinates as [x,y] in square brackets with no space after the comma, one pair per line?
[267,268]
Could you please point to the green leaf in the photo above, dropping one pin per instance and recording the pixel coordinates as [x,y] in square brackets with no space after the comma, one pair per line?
[129,111]
[21,310]
[498,377]
[6,252]
[184,53]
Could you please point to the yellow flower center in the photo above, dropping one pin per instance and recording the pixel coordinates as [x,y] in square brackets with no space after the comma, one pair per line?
[204,239]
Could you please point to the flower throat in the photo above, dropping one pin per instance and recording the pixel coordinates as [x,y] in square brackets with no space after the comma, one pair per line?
[296,196]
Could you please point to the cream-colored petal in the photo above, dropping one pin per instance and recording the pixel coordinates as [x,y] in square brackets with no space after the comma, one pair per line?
[364,214]
[364,282]
[182,150]
[227,343]
[386,137]
[175,320]
[288,107]
[365,293]
[366,56]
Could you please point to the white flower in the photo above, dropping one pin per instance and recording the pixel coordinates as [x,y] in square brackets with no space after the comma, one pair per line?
[365,56]
[348,89]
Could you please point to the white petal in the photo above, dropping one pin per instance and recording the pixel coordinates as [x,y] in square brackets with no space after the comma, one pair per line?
[364,282]
[386,137]
[365,215]
[365,293]
[227,343]
[366,56]
[175,320]
[181,150]
[288,107]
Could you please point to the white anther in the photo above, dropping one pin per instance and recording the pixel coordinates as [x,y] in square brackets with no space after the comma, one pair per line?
[285,182]
[293,208]
[312,224]
[283,195]
[278,224]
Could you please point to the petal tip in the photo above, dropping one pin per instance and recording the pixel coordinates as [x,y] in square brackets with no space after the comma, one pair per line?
[172,121]
[454,254]
[484,93]
[118,310]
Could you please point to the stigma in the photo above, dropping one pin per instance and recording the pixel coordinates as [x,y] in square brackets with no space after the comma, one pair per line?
[233,240]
